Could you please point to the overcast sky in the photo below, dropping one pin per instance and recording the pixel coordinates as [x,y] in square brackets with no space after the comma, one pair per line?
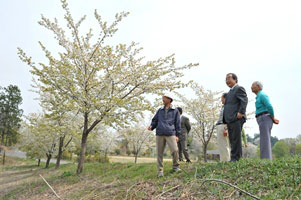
[257,40]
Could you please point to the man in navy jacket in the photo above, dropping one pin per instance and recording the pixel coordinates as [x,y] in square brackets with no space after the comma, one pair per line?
[168,129]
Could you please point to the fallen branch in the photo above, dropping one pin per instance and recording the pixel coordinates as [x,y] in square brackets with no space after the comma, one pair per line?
[50,187]
[224,182]
[167,191]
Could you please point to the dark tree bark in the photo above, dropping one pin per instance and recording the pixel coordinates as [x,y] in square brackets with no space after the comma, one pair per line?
[82,153]
[48,159]
[136,157]
[3,161]
[2,138]
[86,131]
[205,152]
[59,156]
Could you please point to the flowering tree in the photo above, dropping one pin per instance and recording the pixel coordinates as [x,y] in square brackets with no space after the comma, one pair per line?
[139,139]
[104,140]
[28,144]
[67,126]
[108,142]
[103,83]
[205,110]
[39,137]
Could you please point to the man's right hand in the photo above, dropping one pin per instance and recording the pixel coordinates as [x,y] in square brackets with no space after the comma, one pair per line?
[275,121]
[150,128]
[225,133]
[239,115]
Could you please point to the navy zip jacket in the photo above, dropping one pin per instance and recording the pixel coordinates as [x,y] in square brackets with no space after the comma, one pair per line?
[167,123]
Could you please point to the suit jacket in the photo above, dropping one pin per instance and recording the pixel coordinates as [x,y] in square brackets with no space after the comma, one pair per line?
[236,102]
[185,127]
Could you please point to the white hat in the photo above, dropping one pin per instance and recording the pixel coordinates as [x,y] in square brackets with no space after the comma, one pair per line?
[168,95]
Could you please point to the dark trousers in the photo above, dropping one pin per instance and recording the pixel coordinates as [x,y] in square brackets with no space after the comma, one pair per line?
[234,131]
[182,146]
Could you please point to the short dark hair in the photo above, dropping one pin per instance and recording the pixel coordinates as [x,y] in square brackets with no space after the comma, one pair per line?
[180,110]
[225,94]
[234,77]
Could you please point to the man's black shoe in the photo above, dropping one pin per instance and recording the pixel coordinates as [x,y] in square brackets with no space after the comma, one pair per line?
[188,161]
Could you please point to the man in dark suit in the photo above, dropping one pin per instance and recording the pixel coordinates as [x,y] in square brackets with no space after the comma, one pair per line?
[235,114]
[182,143]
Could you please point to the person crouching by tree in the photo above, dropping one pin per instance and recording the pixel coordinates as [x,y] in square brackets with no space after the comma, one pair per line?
[168,128]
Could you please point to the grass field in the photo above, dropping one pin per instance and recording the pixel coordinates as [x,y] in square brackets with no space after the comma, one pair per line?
[280,179]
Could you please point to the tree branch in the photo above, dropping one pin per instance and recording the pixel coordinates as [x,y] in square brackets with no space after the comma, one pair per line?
[50,187]
[226,183]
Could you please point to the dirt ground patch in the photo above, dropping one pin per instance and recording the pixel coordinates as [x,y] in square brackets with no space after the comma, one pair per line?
[130,159]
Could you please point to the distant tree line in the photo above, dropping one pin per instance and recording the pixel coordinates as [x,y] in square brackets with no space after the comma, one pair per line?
[10,114]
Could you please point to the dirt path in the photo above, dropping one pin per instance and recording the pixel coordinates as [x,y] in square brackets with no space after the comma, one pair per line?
[19,154]
[131,159]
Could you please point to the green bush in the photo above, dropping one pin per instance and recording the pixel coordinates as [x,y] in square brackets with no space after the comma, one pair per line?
[66,174]
[89,159]
[128,152]
[209,156]
[67,155]
[117,152]
[281,149]
[103,159]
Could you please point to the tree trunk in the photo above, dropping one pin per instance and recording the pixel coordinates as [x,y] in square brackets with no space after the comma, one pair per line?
[136,157]
[6,140]
[2,138]
[3,161]
[48,160]
[59,156]
[83,145]
[39,162]
[106,152]
[205,153]
[82,153]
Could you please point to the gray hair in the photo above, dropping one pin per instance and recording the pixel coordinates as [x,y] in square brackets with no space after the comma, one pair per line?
[259,84]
